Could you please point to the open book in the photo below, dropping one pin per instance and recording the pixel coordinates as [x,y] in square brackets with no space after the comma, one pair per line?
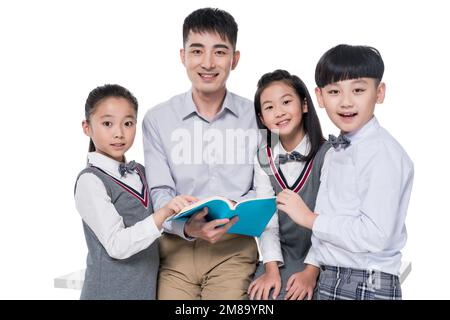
[254,214]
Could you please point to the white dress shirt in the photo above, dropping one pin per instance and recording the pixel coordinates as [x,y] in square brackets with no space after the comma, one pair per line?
[181,159]
[269,241]
[97,211]
[362,203]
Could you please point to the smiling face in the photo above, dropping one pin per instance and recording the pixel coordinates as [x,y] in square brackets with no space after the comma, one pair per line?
[350,104]
[282,112]
[112,127]
[208,60]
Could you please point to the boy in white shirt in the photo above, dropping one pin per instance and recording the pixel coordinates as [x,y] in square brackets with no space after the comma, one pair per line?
[358,223]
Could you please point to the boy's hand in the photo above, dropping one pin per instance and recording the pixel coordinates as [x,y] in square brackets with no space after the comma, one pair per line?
[293,205]
[260,288]
[212,231]
[302,284]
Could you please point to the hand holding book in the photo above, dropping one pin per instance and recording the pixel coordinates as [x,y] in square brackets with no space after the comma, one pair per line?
[198,227]
[254,214]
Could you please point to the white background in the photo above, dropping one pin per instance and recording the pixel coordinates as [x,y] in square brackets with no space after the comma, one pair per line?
[52,53]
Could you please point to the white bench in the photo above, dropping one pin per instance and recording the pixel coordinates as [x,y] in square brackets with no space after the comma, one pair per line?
[72,280]
[75,279]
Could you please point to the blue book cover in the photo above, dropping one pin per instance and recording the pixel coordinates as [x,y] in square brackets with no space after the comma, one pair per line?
[254,214]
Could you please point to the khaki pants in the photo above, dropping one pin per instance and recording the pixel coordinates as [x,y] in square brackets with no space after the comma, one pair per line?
[192,270]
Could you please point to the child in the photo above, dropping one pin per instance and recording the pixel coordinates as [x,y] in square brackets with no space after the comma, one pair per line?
[359,221]
[284,106]
[113,200]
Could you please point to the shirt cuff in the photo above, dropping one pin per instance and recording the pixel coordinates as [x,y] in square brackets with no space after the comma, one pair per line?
[148,229]
[311,258]
[274,257]
[152,226]
[161,201]
[177,227]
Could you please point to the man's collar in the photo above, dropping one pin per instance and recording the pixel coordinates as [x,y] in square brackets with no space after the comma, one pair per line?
[190,108]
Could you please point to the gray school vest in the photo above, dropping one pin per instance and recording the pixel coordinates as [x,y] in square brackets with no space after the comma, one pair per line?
[295,240]
[131,278]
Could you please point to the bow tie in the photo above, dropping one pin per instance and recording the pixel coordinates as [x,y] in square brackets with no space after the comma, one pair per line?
[342,141]
[293,156]
[127,168]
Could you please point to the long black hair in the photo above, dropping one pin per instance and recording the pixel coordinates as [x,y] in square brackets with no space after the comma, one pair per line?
[101,93]
[310,120]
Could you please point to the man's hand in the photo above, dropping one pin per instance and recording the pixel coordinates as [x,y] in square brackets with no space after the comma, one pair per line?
[212,231]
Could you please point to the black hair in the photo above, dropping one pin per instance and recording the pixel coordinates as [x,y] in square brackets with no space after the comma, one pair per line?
[211,20]
[101,93]
[346,62]
[310,120]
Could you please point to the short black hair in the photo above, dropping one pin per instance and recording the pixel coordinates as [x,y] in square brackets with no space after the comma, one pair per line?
[211,20]
[310,120]
[346,62]
[103,92]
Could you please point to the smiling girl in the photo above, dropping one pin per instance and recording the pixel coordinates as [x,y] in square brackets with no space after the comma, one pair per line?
[294,162]
[113,200]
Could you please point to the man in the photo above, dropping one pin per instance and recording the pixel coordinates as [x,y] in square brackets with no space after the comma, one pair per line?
[190,148]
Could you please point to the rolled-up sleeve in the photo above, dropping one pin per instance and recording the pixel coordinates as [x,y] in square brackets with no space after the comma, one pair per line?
[158,173]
